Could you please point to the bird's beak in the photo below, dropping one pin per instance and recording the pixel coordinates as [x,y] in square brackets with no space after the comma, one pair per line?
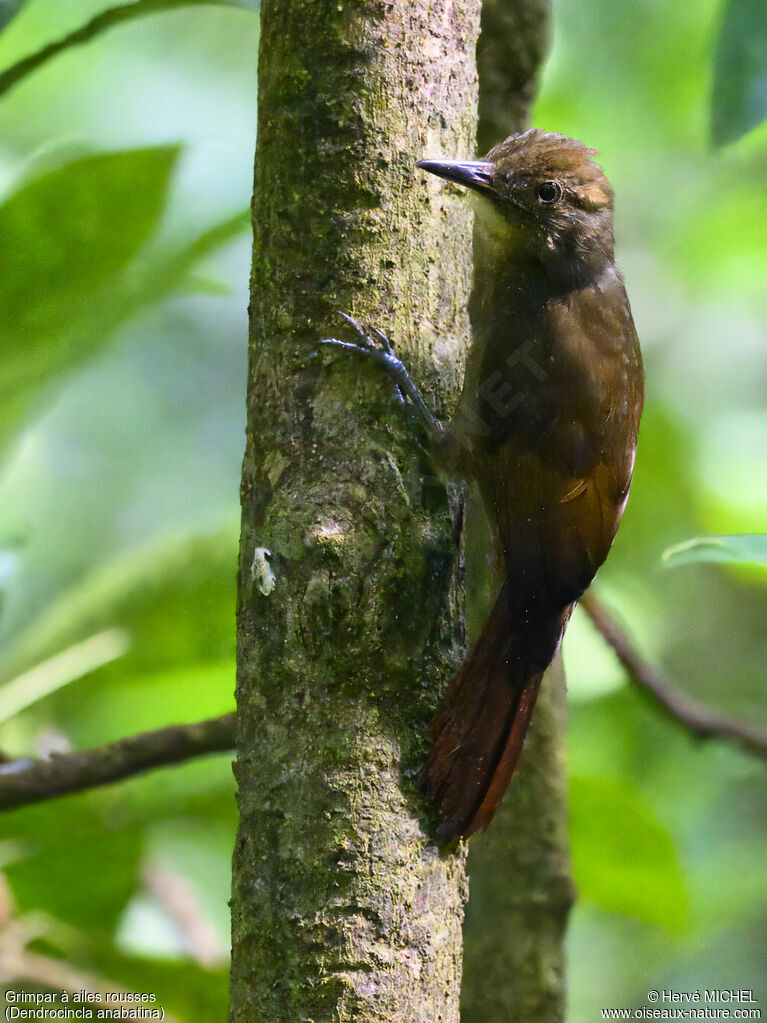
[479,176]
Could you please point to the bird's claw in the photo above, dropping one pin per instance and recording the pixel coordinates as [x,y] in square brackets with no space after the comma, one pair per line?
[383,340]
[376,346]
[374,341]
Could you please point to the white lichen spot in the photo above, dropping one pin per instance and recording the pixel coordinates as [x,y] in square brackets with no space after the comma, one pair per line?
[397,477]
[261,570]
[328,532]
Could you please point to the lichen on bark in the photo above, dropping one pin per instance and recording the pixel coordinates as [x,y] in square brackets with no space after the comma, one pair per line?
[343,908]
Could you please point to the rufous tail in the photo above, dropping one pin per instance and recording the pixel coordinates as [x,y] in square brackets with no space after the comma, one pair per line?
[479,727]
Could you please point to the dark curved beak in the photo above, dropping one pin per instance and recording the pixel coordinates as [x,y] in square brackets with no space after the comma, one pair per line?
[479,176]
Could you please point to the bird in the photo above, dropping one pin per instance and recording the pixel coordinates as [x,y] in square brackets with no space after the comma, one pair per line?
[546,431]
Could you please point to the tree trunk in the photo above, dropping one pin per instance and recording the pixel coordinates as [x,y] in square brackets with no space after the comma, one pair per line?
[521,890]
[512,45]
[342,907]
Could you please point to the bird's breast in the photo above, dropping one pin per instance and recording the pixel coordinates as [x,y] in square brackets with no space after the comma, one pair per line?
[556,375]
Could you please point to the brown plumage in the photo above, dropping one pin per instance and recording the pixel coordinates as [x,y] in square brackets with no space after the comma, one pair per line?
[546,427]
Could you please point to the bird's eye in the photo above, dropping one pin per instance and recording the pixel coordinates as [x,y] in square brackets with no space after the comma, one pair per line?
[549,192]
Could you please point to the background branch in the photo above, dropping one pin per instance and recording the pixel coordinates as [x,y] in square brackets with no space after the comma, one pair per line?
[510,52]
[29,781]
[704,722]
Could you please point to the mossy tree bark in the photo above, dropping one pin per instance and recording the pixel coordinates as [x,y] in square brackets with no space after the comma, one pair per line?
[521,889]
[343,909]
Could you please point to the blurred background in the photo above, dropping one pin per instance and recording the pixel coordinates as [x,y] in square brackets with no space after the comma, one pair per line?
[125,177]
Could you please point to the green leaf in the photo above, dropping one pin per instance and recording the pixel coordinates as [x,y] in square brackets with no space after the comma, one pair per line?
[169,271]
[745,547]
[739,100]
[67,238]
[172,573]
[623,857]
[79,864]
[78,858]
[68,230]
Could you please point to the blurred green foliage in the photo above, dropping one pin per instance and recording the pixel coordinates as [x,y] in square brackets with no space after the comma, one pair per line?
[71,212]
[746,547]
[687,821]
[125,174]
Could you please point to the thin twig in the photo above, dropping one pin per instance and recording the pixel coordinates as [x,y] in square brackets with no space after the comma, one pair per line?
[29,781]
[99,23]
[703,721]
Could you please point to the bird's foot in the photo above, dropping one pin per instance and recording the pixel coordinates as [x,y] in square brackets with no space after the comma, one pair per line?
[375,345]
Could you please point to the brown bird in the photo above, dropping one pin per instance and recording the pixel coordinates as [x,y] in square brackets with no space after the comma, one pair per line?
[546,427]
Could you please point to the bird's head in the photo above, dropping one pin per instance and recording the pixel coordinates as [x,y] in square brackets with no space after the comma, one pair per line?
[548,191]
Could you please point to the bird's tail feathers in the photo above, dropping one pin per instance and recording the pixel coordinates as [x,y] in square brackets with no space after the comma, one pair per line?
[480,725]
